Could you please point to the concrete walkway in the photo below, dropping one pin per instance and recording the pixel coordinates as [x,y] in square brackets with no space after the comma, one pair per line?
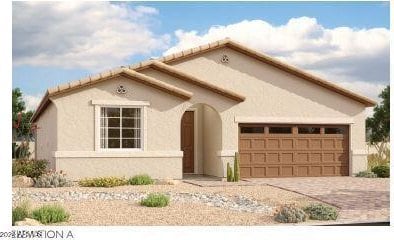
[359,199]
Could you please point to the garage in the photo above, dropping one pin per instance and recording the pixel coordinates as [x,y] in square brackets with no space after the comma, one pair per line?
[270,150]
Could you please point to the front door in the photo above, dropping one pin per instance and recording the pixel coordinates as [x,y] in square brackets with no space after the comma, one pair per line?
[187,141]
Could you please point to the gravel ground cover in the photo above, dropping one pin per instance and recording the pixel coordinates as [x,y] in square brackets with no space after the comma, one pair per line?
[189,205]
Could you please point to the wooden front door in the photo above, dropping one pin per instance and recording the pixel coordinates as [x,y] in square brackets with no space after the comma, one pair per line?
[187,141]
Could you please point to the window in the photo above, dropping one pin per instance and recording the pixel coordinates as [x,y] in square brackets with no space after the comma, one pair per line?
[334,130]
[120,127]
[309,130]
[252,129]
[280,130]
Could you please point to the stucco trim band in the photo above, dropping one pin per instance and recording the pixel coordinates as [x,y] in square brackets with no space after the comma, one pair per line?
[359,152]
[293,120]
[226,153]
[117,154]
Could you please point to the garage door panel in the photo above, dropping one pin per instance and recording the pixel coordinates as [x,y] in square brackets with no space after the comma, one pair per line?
[273,157]
[287,158]
[258,144]
[245,171]
[287,171]
[280,154]
[245,158]
[258,158]
[287,144]
[258,172]
[272,171]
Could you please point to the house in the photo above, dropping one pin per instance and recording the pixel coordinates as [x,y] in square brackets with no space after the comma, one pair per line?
[190,112]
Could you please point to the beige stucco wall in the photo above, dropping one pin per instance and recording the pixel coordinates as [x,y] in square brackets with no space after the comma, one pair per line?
[158,168]
[270,93]
[273,93]
[46,136]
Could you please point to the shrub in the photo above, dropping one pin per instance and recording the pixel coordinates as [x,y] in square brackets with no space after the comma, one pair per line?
[20,212]
[237,175]
[377,160]
[142,179]
[50,214]
[103,182]
[290,214]
[29,168]
[366,174]
[382,171]
[51,180]
[229,173]
[155,200]
[321,212]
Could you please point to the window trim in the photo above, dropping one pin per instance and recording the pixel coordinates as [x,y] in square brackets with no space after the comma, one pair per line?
[98,104]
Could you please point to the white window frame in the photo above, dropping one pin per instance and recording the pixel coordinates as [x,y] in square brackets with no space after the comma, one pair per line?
[98,104]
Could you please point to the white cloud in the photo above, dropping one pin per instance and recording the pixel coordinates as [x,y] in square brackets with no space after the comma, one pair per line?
[89,35]
[32,102]
[357,59]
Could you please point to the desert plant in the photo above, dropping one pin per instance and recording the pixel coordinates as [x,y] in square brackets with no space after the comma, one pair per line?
[51,180]
[156,200]
[50,214]
[142,179]
[29,168]
[377,160]
[290,214]
[103,182]
[382,171]
[321,212]
[366,174]
[20,212]
[237,175]
[230,177]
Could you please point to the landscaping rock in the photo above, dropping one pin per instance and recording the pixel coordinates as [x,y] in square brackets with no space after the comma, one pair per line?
[22,181]
[28,222]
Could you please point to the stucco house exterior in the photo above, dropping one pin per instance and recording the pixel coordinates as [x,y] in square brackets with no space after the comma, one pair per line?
[190,112]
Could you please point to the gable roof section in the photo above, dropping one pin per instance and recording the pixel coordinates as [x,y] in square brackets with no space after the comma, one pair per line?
[263,58]
[195,81]
[128,73]
[160,64]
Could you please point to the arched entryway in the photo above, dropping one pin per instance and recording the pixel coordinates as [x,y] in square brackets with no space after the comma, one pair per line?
[201,139]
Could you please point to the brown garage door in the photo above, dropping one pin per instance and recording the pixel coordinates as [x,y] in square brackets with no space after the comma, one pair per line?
[293,150]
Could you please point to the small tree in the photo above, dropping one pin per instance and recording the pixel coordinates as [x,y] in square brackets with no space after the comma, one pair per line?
[237,175]
[378,126]
[229,173]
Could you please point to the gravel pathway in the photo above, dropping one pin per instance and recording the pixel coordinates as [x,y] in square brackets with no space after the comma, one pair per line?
[236,203]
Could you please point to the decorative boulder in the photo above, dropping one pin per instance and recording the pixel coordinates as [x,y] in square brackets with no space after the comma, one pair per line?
[22,181]
[28,222]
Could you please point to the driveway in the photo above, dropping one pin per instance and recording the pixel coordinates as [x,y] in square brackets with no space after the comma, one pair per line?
[359,199]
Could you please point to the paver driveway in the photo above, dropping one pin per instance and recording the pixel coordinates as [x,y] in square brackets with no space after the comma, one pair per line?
[359,199]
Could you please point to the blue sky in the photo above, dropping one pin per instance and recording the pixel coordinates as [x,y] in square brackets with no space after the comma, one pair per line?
[42,62]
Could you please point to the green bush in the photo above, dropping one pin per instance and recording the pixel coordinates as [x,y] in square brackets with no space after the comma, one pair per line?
[103,182]
[321,212]
[156,200]
[237,174]
[50,214]
[377,160]
[51,180]
[230,177]
[20,212]
[382,171]
[29,168]
[142,179]
[290,214]
[366,174]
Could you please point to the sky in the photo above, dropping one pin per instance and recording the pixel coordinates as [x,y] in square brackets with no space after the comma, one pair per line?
[344,42]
